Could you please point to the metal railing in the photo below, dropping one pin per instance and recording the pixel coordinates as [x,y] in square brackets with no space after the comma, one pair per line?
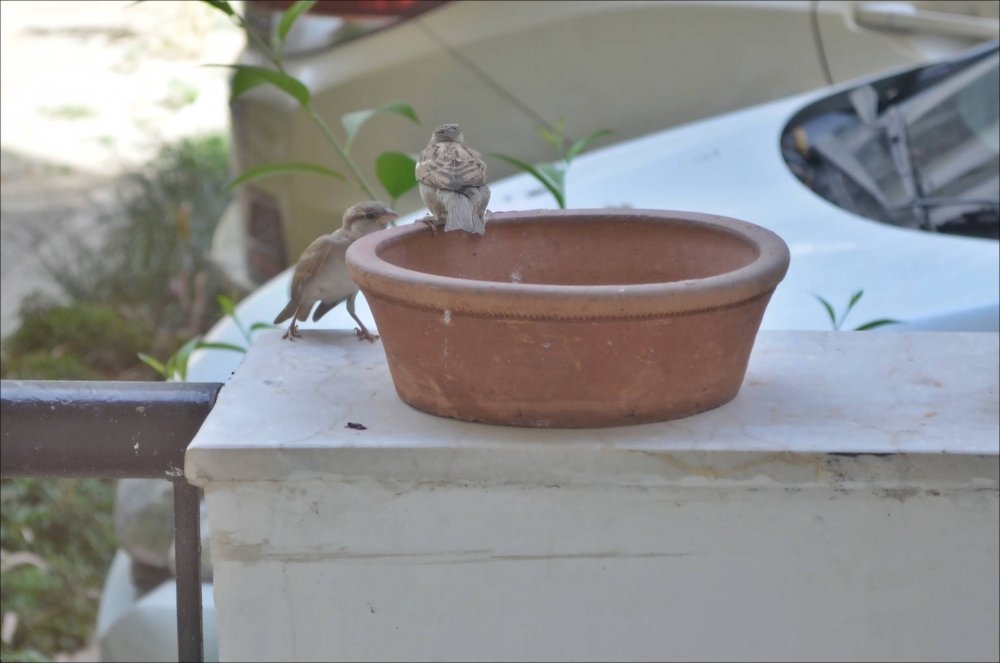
[117,430]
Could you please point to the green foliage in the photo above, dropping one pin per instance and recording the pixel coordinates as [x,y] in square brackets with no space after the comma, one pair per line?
[283,168]
[553,175]
[46,365]
[391,171]
[549,175]
[837,321]
[248,77]
[148,276]
[153,262]
[229,308]
[352,122]
[176,366]
[394,170]
[145,281]
[222,6]
[77,341]
[288,19]
[396,173]
[57,537]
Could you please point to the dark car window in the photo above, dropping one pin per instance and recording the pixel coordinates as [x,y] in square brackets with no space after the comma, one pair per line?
[918,151]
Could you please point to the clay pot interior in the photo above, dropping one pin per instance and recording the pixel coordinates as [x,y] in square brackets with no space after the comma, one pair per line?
[575,251]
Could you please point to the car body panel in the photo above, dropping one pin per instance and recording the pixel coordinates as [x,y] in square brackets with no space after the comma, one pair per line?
[732,165]
[500,69]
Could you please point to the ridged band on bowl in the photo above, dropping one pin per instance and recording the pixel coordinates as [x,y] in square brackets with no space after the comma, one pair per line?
[525,300]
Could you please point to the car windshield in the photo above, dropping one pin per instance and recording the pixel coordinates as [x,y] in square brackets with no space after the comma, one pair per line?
[918,150]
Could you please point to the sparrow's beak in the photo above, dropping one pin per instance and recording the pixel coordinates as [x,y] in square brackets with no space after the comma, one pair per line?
[388,218]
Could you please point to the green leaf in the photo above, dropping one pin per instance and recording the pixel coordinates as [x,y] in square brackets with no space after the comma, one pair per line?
[580,145]
[876,323]
[226,304]
[396,173]
[854,300]
[539,175]
[171,367]
[829,310]
[555,172]
[353,122]
[154,364]
[284,168]
[289,16]
[221,5]
[248,77]
[555,137]
[211,345]
[180,358]
[263,325]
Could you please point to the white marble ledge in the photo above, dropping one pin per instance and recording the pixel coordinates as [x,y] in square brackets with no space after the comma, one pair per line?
[919,396]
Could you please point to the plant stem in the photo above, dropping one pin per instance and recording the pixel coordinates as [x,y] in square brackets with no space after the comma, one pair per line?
[361,181]
[275,58]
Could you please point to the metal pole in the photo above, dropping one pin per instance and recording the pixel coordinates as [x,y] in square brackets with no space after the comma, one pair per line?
[100,429]
[117,430]
[187,548]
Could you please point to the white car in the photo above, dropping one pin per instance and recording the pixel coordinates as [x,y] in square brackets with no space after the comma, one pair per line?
[890,184]
[500,68]
[741,165]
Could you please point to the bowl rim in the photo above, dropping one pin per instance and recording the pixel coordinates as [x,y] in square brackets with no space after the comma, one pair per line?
[379,278]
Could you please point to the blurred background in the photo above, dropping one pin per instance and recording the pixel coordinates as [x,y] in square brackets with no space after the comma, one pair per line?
[109,120]
[119,237]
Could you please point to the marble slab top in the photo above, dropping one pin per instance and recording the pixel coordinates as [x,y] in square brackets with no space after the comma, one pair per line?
[289,409]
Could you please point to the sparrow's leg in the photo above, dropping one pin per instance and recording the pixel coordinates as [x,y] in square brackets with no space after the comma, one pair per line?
[361,330]
[292,332]
[431,222]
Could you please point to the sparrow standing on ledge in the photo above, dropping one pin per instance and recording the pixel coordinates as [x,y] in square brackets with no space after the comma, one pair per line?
[321,273]
[452,181]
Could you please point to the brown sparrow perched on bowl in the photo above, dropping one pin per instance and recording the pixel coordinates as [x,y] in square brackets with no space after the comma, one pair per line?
[452,178]
[321,273]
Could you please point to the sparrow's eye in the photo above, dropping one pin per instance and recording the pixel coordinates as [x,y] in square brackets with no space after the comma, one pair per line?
[369,215]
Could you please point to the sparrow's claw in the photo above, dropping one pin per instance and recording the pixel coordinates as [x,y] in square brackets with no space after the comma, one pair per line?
[431,222]
[292,333]
[365,335]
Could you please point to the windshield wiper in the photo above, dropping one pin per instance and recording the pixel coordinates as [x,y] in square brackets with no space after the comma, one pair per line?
[895,130]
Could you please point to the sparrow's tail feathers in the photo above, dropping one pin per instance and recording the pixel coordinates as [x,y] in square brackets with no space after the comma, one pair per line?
[286,313]
[324,308]
[462,212]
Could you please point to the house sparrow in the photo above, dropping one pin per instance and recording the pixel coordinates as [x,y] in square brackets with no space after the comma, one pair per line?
[321,273]
[452,181]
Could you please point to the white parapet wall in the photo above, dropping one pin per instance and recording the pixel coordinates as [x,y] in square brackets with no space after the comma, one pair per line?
[843,507]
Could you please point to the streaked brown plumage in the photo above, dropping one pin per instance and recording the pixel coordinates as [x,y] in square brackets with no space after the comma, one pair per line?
[452,179]
[321,273]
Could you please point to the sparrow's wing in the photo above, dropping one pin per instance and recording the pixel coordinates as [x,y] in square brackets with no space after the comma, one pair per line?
[290,309]
[324,308]
[451,166]
[311,263]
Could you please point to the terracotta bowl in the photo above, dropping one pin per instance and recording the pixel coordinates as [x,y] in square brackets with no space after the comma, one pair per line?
[570,318]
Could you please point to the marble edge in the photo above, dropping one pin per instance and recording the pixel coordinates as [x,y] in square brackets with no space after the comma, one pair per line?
[437,445]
